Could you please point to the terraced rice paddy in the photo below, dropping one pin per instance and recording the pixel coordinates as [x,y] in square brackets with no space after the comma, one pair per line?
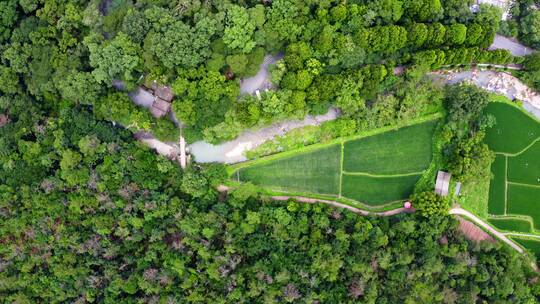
[532,245]
[515,187]
[514,130]
[316,172]
[511,224]
[497,187]
[375,170]
[380,154]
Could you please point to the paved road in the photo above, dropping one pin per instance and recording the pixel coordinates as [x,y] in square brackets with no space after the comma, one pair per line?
[505,43]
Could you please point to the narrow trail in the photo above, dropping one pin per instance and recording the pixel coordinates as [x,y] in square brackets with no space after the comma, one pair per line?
[486,226]
[522,234]
[453,211]
[303,199]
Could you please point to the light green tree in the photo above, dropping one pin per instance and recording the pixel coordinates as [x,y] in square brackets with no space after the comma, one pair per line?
[239,29]
[114,59]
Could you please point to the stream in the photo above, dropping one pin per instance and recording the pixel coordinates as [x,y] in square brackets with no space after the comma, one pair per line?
[233,151]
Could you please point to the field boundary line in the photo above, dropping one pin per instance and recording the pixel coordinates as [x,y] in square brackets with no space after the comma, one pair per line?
[511,217]
[528,220]
[524,185]
[268,191]
[341,168]
[505,185]
[521,151]
[495,216]
[382,175]
[315,147]
[522,234]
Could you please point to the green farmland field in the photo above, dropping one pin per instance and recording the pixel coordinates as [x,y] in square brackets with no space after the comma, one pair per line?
[515,187]
[316,172]
[532,245]
[511,224]
[350,169]
[497,192]
[410,147]
[524,200]
[378,190]
[514,130]
[525,168]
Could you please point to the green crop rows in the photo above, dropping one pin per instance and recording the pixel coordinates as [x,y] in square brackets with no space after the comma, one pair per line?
[514,194]
[378,190]
[316,172]
[380,154]
[374,170]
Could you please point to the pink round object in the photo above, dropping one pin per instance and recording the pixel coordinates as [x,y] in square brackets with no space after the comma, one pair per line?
[407,205]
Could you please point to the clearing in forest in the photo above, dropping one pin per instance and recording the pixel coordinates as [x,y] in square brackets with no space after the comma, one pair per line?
[514,192]
[376,170]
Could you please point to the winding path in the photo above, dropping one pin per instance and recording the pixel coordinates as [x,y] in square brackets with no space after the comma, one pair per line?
[308,200]
[486,226]
[453,211]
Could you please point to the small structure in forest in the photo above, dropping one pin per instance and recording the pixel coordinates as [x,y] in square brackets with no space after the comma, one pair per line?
[457,190]
[443,183]
[4,119]
[163,97]
[399,70]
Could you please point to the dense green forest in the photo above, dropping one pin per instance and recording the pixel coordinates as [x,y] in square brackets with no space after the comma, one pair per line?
[338,53]
[89,215]
[524,24]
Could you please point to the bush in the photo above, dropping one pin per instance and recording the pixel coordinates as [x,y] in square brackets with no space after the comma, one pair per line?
[428,203]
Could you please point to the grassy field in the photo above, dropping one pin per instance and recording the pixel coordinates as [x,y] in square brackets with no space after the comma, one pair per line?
[506,136]
[380,154]
[317,172]
[331,169]
[515,189]
[511,224]
[497,188]
[475,195]
[377,190]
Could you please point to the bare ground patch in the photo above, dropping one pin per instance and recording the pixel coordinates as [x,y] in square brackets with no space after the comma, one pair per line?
[473,232]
